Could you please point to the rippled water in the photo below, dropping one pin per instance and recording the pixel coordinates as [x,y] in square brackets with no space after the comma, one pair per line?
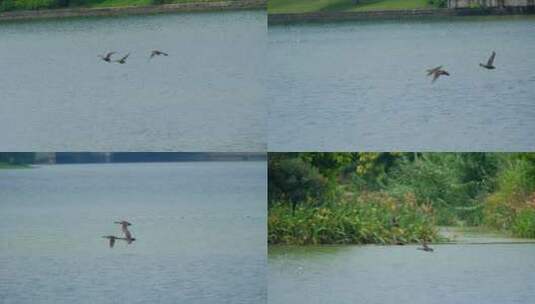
[56,95]
[362,85]
[200,230]
[401,274]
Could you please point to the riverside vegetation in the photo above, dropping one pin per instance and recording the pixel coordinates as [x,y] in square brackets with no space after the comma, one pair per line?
[10,5]
[309,6]
[397,198]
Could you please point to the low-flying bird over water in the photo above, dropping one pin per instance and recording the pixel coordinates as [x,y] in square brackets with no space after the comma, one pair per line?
[425,247]
[124,227]
[106,57]
[123,60]
[437,72]
[112,239]
[157,53]
[490,62]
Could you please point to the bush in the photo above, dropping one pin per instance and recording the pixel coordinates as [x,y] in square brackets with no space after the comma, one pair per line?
[294,181]
[439,3]
[7,5]
[371,218]
[524,223]
[438,179]
[515,186]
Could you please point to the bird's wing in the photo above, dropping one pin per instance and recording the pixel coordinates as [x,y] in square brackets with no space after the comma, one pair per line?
[435,76]
[125,56]
[491,59]
[112,242]
[165,54]
[152,54]
[108,55]
[433,70]
[127,233]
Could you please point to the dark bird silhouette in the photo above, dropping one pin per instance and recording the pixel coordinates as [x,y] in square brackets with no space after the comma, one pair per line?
[425,247]
[157,53]
[437,72]
[112,239]
[490,62]
[123,60]
[106,57]
[124,227]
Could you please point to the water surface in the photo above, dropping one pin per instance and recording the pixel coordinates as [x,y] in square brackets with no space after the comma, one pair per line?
[401,274]
[56,95]
[200,230]
[362,86]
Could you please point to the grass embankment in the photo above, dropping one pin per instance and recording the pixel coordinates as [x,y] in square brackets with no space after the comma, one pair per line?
[11,5]
[391,198]
[309,6]
[13,166]
[373,218]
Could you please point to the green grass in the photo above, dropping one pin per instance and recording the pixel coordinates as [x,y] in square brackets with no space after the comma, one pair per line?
[373,218]
[11,5]
[307,6]
[13,166]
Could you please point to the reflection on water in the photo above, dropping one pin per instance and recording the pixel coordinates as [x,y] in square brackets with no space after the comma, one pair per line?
[206,96]
[503,273]
[362,86]
[200,230]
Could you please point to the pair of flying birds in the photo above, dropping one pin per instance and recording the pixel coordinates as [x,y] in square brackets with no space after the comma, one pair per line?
[438,71]
[107,57]
[127,235]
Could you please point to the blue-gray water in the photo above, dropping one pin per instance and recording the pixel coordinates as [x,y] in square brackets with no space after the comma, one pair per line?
[56,95]
[462,274]
[362,86]
[200,229]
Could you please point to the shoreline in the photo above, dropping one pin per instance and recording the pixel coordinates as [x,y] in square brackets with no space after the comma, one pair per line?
[319,17]
[135,10]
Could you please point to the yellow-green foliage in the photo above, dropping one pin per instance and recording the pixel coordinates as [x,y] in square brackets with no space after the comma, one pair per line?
[512,206]
[369,218]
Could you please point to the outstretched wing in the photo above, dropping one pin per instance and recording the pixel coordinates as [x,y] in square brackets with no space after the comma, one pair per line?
[491,59]
[126,232]
[433,70]
[125,56]
[108,55]
[435,76]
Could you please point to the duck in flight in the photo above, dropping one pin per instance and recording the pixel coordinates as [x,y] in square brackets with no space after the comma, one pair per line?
[123,60]
[425,247]
[490,62]
[107,57]
[437,72]
[124,227]
[157,53]
[112,239]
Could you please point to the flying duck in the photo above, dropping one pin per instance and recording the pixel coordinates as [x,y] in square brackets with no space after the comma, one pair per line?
[437,72]
[106,57]
[489,65]
[123,60]
[157,53]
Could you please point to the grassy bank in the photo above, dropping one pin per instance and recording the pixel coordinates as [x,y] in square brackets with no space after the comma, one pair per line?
[12,5]
[13,166]
[309,6]
[372,218]
[390,198]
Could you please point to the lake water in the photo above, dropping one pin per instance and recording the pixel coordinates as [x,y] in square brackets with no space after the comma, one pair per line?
[362,86]
[56,95]
[200,230]
[401,274]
